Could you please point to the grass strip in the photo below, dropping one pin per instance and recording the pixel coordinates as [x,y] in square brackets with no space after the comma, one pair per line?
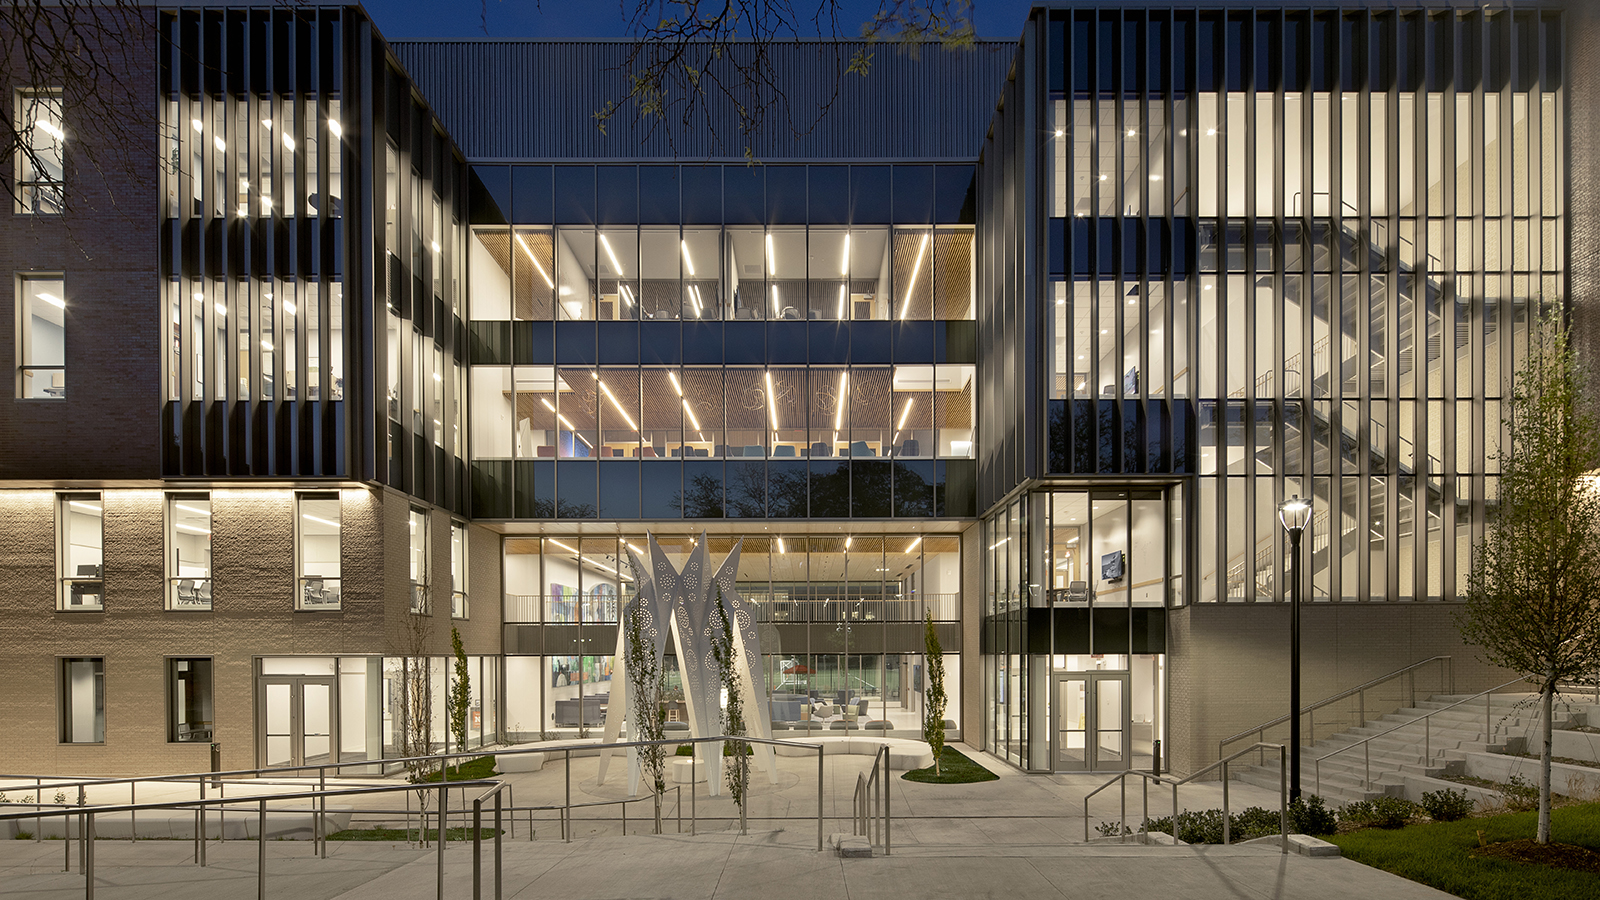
[400,835]
[955,768]
[1441,855]
[471,770]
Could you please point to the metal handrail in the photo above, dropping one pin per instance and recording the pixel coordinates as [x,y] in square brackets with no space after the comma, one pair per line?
[1149,778]
[1359,690]
[1427,732]
[871,803]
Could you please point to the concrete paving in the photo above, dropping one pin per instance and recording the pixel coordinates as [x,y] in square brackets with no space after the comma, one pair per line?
[1019,836]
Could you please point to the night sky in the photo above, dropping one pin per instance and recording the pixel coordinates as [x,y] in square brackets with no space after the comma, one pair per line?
[398,19]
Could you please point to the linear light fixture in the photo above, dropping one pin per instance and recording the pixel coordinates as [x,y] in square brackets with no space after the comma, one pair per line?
[687,262]
[905,413]
[615,402]
[53,300]
[922,249]
[191,528]
[289,307]
[999,542]
[847,541]
[841,301]
[772,402]
[194,509]
[221,310]
[565,547]
[91,507]
[611,254]
[694,293]
[781,548]
[772,256]
[265,123]
[50,128]
[692,420]
[201,126]
[844,261]
[288,142]
[914,544]
[219,142]
[542,273]
[266,345]
[838,411]
[627,295]
[319,519]
[775,309]
[335,128]
[676,387]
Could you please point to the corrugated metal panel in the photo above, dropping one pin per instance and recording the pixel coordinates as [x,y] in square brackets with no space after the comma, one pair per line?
[537,99]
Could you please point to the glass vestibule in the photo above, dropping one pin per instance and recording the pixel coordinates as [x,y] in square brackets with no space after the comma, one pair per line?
[1109,547]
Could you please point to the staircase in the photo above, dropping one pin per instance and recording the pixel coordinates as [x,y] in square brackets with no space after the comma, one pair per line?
[1420,748]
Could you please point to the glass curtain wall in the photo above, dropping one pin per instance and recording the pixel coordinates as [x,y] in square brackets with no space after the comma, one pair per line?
[840,622]
[1327,232]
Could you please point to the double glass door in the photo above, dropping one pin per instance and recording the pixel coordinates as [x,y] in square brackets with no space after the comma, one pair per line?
[298,726]
[1091,712]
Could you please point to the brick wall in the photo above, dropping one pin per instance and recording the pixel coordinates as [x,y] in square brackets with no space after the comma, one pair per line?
[1229,663]
[253,615]
[1583,162]
[106,245]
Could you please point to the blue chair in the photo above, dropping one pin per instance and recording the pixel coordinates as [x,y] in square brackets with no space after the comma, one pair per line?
[783,450]
[821,448]
[860,448]
[754,450]
[912,447]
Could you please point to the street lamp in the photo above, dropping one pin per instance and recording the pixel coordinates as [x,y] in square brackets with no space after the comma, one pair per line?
[1294,513]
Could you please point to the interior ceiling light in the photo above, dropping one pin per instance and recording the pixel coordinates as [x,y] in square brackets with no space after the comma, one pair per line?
[692,420]
[676,387]
[1059,132]
[915,543]
[198,125]
[781,548]
[772,256]
[311,518]
[916,267]
[335,128]
[842,300]
[905,413]
[50,128]
[542,273]
[288,142]
[844,259]
[220,144]
[221,310]
[265,123]
[618,404]
[774,301]
[193,509]
[687,262]
[847,542]
[266,345]
[288,306]
[53,300]
[772,402]
[610,254]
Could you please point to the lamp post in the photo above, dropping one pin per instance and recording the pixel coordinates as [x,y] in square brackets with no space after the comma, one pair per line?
[1294,513]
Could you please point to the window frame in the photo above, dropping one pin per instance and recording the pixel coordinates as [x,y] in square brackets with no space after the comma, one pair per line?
[174,576]
[24,362]
[302,580]
[67,584]
[420,600]
[172,706]
[64,730]
[27,153]
[459,566]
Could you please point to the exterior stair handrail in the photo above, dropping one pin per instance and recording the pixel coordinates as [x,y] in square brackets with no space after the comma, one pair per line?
[1259,731]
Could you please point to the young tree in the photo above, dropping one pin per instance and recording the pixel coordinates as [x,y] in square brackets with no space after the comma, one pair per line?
[933,703]
[414,735]
[1533,596]
[736,755]
[647,715]
[460,697]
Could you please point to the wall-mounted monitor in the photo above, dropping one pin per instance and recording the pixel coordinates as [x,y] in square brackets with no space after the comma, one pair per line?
[1113,565]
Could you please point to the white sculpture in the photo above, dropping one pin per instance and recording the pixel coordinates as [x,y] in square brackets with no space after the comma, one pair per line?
[684,601]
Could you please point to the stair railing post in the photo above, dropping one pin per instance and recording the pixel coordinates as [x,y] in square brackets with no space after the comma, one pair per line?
[1366,753]
[1362,700]
[88,861]
[1227,832]
[1427,738]
[1174,812]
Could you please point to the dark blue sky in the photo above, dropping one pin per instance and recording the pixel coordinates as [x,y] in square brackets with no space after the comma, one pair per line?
[603,18]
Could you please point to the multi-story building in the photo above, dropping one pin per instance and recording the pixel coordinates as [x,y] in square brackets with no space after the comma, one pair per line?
[368,342]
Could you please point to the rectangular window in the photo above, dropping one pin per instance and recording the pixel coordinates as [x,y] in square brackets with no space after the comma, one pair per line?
[458,570]
[81,529]
[83,700]
[317,532]
[41,152]
[189,551]
[41,337]
[419,562]
[189,700]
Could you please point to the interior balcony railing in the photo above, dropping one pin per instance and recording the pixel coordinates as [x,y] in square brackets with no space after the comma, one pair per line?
[564,609]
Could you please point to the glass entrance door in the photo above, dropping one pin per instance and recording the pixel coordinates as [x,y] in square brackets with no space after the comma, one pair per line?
[1091,721]
[298,720]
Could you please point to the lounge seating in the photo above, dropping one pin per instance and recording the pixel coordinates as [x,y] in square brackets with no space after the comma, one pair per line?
[860,448]
[783,450]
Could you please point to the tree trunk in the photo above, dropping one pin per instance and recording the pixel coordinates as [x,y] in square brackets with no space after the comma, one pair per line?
[658,812]
[1547,702]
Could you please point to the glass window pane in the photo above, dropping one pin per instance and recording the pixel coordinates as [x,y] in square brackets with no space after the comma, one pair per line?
[318,550]
[189,701]
[82,518]
[189,551]
[42,356]
[83,701]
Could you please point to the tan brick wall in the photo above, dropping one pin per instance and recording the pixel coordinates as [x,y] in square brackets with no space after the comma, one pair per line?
[1229,663]
[253,615]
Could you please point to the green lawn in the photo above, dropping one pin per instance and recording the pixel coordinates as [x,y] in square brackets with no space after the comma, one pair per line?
[1438,854]
[471,770]
[955,768]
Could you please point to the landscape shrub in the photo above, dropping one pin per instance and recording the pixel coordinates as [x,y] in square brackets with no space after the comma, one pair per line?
[1447,805]
[1382,812]
[1520,796]
[1308,815]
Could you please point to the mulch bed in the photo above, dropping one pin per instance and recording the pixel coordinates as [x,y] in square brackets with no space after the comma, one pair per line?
[1560,856]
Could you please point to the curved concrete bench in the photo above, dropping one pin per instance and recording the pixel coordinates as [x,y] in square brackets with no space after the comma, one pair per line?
[534,762]
[904,755]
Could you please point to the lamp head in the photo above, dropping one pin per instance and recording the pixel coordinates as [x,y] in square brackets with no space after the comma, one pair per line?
[1295,514]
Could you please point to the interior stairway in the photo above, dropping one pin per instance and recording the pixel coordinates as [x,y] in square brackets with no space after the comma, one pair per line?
[1450,735]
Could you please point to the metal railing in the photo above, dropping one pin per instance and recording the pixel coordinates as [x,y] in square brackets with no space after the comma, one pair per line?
[86,827]
[40,810]
[1427,732]
[553,609]
[1149,778]
[1447,680]
[871,806]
